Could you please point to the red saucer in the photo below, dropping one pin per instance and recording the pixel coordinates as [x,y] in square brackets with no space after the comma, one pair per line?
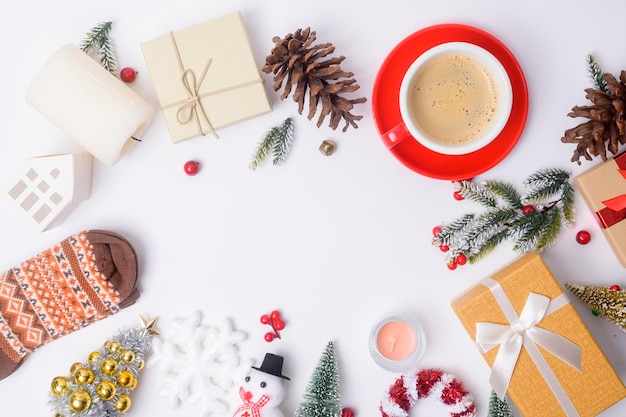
[386,109]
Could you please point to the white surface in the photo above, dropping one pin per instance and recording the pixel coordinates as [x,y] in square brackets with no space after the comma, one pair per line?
[333,242]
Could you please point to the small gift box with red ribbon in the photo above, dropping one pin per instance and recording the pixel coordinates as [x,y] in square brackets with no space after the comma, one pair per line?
[603,188]
[541,354]
[205,77]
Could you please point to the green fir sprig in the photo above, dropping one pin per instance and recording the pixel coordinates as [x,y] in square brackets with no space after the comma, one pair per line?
[596,74]
[533,220]
[277,141]
[97,43]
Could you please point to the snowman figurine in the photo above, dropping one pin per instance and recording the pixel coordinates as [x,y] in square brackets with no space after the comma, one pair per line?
[263,389]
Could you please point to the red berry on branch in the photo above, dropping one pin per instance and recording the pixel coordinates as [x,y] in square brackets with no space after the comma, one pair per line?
[265,319]
[461,259]
[615,288]
[526,210]
[278,324]
[191,167]
[128,74]
[268,337]
[436,230]
[275,315]
[458,196]
[583,237]
[452,266]
[444,248]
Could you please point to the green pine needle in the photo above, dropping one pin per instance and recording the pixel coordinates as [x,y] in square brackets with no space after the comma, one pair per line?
[506,216]
[596,74]
[277,141]
[97,42]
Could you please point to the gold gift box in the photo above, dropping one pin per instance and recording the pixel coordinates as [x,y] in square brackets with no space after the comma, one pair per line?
[205,77]
[598,186]
[591,390]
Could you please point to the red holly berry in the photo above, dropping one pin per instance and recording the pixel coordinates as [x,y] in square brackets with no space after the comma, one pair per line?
[347,412]
[268,337]
[191,167]
[452,266]
[461,259]
[526,210]
[265,319]
[583,237]
[436,230]
[128,74]
[444,248]
[278,324]
[458,196]
[615,288]
[275,315]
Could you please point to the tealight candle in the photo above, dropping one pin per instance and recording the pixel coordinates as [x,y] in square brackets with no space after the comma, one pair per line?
[397,343]
[89,104]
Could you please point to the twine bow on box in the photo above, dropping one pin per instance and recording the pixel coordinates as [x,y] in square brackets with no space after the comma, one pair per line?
[522,331]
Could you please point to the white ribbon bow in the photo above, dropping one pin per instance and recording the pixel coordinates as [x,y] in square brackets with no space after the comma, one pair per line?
[523,331]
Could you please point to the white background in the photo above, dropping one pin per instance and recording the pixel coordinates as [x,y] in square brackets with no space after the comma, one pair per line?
[333,242]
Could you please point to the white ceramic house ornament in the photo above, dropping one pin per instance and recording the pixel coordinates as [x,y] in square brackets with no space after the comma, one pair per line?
[51,186]
[263,389]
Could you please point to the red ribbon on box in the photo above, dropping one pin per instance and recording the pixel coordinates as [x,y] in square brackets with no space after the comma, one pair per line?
[614,210]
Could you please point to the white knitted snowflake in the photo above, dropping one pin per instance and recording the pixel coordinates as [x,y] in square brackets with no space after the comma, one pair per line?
[199,363]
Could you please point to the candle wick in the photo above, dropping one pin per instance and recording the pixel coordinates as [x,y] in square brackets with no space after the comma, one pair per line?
[393,344]
[138,140]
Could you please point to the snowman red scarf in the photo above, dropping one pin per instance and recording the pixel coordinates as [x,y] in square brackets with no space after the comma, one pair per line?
[249,405]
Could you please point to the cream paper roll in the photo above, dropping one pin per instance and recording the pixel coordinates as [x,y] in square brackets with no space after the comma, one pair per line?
[89,104]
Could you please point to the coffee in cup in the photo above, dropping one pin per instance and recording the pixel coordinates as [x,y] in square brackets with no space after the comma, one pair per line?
[454,99]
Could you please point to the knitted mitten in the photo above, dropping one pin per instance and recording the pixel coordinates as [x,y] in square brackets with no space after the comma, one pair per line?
[84,278]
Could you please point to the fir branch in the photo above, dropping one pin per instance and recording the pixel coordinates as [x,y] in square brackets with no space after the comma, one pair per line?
[596,74]
[283,142]
[277,141]
[508,216]
[97,42]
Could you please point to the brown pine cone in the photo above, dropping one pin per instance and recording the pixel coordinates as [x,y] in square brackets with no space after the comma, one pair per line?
[296,61]
[606,128]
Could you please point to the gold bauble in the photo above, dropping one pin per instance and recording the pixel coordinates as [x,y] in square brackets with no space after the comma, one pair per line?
[141,364]
[123,403]
[128,356]
[133,385]
[125,378]
[115,347]
[106,390]
[83,375]
[59,385]
[109,366]
[93,356]
[79,401]
[74,367]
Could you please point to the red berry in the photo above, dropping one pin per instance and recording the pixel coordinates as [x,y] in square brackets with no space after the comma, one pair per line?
[444,248]
[615,288]
[461,259]
[436,230]
[128,74]
[452,266]
[268,337]
[191,167]
[265,319]
[583,237]
[458,196]
[347,412]
[275,315]
[526,210]
[278,324]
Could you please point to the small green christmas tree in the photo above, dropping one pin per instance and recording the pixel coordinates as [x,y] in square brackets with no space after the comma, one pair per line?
[499,407]
[101,385]
[533,220]
[322,397]
[607,302]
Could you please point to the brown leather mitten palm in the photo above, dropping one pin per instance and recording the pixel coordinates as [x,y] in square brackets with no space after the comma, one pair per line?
[84,278]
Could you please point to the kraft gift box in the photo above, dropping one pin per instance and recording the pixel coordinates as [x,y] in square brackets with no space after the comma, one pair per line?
[541,354]
[603,188]
[205,77]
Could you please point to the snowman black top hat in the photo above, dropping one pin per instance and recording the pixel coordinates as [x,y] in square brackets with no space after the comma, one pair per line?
[273,365]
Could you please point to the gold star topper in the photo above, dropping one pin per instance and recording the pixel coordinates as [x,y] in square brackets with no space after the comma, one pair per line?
[149,325]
